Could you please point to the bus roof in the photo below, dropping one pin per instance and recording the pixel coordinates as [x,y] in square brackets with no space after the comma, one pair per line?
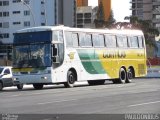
[87,30]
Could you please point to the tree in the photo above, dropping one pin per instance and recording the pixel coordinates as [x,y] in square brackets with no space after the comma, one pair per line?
[111,20]
[149,31]
[100,21]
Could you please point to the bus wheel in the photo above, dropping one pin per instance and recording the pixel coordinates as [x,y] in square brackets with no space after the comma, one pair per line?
[1,86]
[71,78]
[20,86]
[38,86]
[130,75]
[122,76]
[96,82]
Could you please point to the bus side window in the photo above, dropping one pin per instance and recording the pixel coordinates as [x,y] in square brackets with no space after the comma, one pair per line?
[140,41]
[88,40]
[120,41]
[82,39]
[98,40]
[133,41]
[69,41]
[75,39]
[58,36]
[111,41]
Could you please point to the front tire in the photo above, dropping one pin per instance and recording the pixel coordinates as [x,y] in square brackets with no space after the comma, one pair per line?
[38,86]
[71,78]
[20,86]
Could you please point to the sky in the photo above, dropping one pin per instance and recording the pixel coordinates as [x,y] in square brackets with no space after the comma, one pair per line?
[121,8]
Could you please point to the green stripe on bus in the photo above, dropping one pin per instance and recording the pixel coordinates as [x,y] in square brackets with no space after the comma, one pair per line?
[91,61]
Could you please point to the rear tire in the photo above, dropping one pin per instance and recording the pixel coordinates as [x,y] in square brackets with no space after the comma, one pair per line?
[20,86]
[130,75]
[1,86]
[38,86]
[71,78]
[122,76]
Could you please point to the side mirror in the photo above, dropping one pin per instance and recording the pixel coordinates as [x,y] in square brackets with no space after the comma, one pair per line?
[54,51]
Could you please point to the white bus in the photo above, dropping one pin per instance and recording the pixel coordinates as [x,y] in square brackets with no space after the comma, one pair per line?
[63,55]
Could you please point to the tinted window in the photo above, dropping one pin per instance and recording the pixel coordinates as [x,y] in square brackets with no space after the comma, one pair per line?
[31,37]
[7,71]
[110,41]
[98,40]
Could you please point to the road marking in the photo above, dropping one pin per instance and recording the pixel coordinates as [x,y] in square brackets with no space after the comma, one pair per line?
[143,104]
[44,103]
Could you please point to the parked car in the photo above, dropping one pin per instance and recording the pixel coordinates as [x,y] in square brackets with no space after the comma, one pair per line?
[5,77]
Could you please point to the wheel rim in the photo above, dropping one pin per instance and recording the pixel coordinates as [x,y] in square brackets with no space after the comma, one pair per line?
[71,79]
[123,75]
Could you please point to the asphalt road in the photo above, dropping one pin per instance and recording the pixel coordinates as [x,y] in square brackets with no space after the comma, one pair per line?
[140,96]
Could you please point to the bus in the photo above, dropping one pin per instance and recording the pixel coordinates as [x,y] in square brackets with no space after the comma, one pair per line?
[63,55]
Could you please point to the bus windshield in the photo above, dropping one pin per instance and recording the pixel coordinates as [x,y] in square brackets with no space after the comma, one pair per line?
[31,56]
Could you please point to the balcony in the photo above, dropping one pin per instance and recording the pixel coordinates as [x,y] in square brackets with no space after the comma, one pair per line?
[156,20]
[156,12]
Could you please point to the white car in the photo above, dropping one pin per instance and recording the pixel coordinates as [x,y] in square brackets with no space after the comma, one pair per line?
[5,77]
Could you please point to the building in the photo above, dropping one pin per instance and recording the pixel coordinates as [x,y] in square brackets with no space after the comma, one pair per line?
[82,3]
[106,8]
[147,10]
[84,17]
[19,14]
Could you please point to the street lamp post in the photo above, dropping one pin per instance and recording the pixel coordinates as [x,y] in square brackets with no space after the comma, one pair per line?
[30,10]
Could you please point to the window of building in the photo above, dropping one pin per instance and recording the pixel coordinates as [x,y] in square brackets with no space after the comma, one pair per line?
[5,14]
[0,25]
[16,23]
[26,12]
[6,25]
[43,24]
[26,1]
[5,35]
[5,3]
[16,1]
[42,13]
[26,23]
[16,12]
[1,3]
[1,14]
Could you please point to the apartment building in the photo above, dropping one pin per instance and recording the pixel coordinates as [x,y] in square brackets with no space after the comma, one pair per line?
[147,10]
[19,14]
[84,17]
